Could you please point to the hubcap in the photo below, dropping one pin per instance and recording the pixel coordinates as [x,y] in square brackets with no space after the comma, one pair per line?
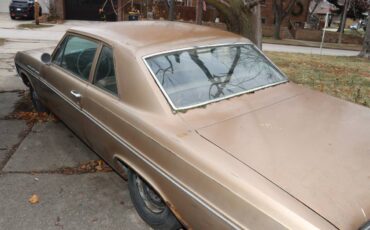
[151,199]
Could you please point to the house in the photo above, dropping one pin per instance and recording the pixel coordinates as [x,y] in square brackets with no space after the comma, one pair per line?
[296,19]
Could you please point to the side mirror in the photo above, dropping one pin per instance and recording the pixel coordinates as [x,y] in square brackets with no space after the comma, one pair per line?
[46,58]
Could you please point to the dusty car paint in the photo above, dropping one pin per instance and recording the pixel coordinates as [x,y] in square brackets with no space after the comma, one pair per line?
[200,161]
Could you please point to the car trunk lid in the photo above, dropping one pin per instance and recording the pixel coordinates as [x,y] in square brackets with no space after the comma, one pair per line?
[313,146]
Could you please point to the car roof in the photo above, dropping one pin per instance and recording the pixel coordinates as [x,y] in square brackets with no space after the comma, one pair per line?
[149,37]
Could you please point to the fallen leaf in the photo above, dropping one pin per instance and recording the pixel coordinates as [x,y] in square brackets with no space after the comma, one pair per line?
[34,199]
[99,167]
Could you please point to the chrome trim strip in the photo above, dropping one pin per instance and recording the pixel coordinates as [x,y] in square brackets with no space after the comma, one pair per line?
[137,153]
[33,69]
[213,100]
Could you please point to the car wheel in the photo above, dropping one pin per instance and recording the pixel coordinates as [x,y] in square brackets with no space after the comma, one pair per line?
[149,205]
[12,17]
[39,107]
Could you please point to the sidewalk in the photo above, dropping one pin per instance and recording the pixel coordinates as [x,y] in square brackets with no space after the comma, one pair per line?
[293,42]
[307,50]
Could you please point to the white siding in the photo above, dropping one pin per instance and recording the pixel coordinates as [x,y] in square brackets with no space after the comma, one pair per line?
[45,6]
[4,6]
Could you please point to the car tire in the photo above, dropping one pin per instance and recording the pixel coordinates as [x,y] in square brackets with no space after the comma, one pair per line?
[12,17]
[152,210]
[39,107]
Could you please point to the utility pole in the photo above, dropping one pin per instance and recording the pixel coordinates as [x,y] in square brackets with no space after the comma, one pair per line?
[199,12]
[37,12]
[343,21]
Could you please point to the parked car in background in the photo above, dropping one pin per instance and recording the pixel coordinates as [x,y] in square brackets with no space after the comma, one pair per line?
[23,9]
[208,131]
[361,24]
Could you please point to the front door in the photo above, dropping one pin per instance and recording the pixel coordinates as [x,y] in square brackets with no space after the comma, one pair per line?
[67,78]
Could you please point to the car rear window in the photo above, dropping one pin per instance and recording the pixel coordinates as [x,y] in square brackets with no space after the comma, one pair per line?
[195,77]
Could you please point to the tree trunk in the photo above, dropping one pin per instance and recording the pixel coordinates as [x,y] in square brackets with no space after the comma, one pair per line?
[120,16]
[240,19]
[37,12]
[277,26]
[343,21]
[365,52]
[280,12]
[253,26]
[258,23]
[171,11]
[199,12]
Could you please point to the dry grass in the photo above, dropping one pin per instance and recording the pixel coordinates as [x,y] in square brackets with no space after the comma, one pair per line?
[344,77]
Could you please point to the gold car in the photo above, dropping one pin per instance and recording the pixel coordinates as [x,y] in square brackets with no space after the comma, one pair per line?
[209,133]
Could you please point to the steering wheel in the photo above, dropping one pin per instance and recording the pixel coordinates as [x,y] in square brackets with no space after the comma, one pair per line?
[107,66]
[83,54]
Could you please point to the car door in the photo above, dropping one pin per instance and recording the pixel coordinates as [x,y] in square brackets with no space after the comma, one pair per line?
[103,106]
[67,78]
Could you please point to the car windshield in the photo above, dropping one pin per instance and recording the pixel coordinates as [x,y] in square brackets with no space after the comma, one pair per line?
[195,77]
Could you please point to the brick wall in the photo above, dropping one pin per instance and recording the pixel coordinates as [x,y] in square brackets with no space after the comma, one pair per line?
[316,35]
[268,31]
[267,14]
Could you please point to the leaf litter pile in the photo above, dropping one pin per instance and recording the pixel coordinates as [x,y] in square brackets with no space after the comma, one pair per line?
[91,166]
[23,110]
[87,167]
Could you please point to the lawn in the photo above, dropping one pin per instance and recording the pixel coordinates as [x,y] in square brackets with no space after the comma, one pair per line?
[344,77]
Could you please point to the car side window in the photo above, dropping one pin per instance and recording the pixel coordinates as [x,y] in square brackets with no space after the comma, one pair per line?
[77,56]
[57,58]
[105,77]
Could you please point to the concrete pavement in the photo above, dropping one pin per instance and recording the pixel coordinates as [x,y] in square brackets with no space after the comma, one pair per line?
[307,50]
[34,159]
[88,201]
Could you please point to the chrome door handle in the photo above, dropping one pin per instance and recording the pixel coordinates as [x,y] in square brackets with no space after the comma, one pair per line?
[76,94]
